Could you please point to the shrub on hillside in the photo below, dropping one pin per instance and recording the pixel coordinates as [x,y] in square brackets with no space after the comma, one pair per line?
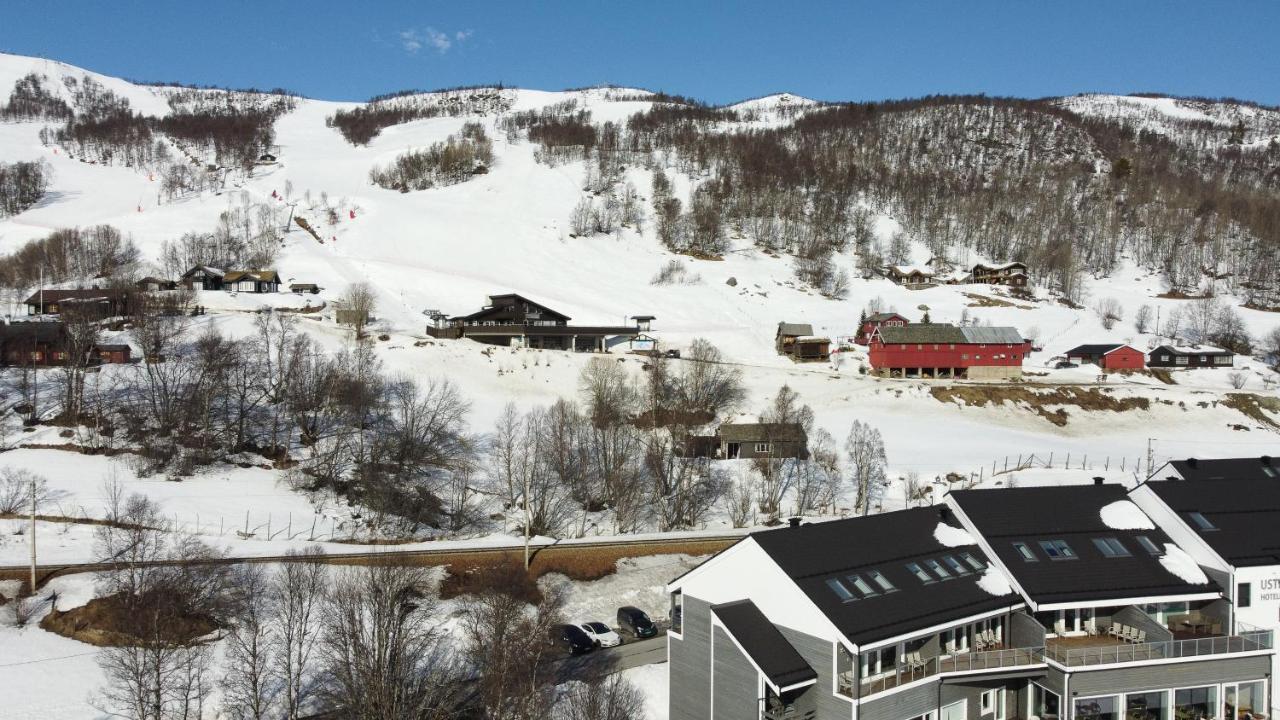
[444,163]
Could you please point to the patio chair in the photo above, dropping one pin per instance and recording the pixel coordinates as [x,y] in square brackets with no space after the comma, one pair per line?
[1130,634]
[1142,637]
[1115,630]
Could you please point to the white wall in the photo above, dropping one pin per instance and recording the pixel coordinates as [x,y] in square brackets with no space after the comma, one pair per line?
[1263,611]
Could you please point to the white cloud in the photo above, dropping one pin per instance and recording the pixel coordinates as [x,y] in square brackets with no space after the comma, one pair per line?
[414,39]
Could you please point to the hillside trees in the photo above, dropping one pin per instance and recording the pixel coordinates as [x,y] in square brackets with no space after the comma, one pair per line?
[22,184]
[444,163]
[71,255]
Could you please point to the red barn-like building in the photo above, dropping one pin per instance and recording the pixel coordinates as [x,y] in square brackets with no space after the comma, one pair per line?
[876,321]
[1109,356]
[946,351]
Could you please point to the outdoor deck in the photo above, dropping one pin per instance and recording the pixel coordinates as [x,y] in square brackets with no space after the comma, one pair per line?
[998,659]
[1106,650]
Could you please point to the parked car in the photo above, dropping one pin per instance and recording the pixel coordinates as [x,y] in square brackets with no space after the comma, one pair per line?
[603,635]
[633,620]
[1063,364]
[571,638]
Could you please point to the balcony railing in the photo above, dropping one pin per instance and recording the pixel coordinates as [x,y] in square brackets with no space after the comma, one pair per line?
[1164,650]
[958,663]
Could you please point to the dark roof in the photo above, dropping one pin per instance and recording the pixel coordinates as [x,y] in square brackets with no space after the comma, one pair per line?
[1265,467]
[796,329]
[813,554]
[258,275]
[518,298]
[38,331]
[922,333]
[1071,513]
[764,643]
[1201,350]
[110,347]
[87,295]
[1100,349]
[881,317]
[1244,511]
[762,432]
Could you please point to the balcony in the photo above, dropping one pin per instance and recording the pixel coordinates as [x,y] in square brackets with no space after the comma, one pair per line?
[912,671]
[1103,650]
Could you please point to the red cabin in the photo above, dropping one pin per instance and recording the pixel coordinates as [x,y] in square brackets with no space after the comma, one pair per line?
[876,321]
[946,351]
[1112,356]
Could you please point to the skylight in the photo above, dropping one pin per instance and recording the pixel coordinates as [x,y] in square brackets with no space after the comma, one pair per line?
[1025,551]
[919,572]
[1147,545]
[840,590]
[1111,547]
[1201,521]
[882,581]
[974,563]
[862,586]
[938,569]
[1057,550]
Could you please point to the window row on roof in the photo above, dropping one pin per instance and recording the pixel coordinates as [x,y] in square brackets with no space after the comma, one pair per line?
[858,586]
[1059,549]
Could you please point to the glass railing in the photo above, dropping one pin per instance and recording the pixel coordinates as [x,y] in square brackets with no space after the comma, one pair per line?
[911,671]
[1249,641]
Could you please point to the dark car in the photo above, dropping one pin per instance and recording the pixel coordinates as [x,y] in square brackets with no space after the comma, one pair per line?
[633,620]
[1064,364]
[571,638]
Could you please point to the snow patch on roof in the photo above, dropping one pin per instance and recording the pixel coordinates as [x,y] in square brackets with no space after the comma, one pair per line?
[1124,515]
[1177,561]
[995,582]
[951,536]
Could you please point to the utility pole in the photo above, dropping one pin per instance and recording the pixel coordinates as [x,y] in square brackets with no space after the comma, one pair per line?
[33,534]
[1150,459]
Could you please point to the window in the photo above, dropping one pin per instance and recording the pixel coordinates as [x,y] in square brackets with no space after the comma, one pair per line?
[1243,701]
[1057,550]
[1196,703]
[1182,360]
[987,704]
[974,562]
[876,662]
[938,569]
[764,447]
[964,356]
[1244,595]
[1044,703]
[1111,547]
[862,586]
[1025,551]
[1147,545]
[1221,359]
[677,611]
[955,565]
[1098,708]
[840,590]
[919,572]
[1146,706]
[1201,521]
[844,671]
[882,581]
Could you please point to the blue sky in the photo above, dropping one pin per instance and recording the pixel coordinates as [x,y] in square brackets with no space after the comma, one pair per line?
[716,51]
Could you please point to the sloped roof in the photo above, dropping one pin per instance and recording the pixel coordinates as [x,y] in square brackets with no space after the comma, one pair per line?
[993,335]
[814,554]
[999,266]
[1099,349]
[911,270]
[881,317]
[1073,514]
[764,643]
[1264,468]
[38,331]
[762,432]
[922,333]
[786,328]
[87,295]
[206,268]
[1244,512]
[1192,350]
[259,275]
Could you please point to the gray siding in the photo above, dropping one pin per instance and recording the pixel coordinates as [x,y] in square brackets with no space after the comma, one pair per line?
[1157,677]
[818,653]
[690,667]
[736,682]
[901,705]
[1024,631]
[1135,618]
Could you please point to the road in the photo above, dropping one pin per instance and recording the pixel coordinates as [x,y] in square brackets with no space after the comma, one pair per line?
[542,554]
[616,659]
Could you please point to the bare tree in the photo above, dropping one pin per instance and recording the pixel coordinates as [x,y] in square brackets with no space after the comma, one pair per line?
[865,450]
[1271,346]
[1202,318]
[1142,318]
[1109,312]
[16,491]
[358,304]
[611,697]
[507,646]
[1238,380]
[249,691]
[297,593]
[381,650]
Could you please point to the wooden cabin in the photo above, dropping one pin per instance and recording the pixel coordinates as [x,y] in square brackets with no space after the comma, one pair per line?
[251,281]
[1012,274]
[911,277]
[797,341]
[151,283]
[876,321]
[514,320]
[304,288]
[1190,356]
[94,302]
[1108,356]
[202,277]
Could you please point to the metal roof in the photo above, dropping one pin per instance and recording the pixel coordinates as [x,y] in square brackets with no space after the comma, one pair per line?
[993,335]
[797,329]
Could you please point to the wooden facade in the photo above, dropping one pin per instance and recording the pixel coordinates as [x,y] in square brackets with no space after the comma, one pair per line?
[93,302]
[1113,356]
[797,341]
[251,281]
[911,277]
[946,351]
[202,277]
[875,322]
[748,441]
[1193,356]
[44,344]
[514,320]
[1012,274]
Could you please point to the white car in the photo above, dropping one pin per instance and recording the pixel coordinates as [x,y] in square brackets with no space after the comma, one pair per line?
[602,634]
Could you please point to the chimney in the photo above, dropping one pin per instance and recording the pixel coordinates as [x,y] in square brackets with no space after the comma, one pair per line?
[944,512]
[793,522]
[1097,480]
[1192,462]
[1266,459]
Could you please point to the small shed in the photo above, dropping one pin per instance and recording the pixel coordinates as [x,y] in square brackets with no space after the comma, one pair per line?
[785,339]
[303,288]
[761,440]
[112,353]
[1109,356]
